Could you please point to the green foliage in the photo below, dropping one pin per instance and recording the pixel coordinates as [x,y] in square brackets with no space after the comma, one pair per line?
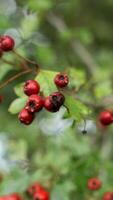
[69,36]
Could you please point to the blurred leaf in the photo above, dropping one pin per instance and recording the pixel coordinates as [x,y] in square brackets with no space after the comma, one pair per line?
[4,69]
[18,89]
[46,80]
[17,105]
[28,25]
[77,109]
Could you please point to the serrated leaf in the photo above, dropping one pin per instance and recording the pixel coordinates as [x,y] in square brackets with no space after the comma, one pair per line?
[77,109]
[46,81]
[17,105]
[18,89]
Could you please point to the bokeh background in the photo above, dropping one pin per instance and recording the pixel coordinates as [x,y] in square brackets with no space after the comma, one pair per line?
[59,34]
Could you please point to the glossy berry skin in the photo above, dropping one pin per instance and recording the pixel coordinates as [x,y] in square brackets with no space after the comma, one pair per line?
[34,188]
[61,80]
[53,102]
[6,43]
[41,195]
[31,87]
[25,117]
[94,184]
[108,196]
[106,118]
[34,104]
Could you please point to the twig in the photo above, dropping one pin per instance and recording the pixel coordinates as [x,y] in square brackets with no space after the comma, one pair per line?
[15,77]
[25,59]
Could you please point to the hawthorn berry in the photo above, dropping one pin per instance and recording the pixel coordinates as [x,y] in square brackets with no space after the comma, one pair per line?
[6,43]
[31,87]
[13,196]
[106,117]
[61,80]
[53,102]
[94,184]
[34,103]
[108,196]
[25,117]
[41,195]
[35,187]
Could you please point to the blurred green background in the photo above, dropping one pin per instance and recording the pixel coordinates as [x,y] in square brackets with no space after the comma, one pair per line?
[74,36]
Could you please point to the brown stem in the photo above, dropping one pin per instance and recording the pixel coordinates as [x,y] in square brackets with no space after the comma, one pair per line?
[25,59]
[67,108]
[21,65]
[15,77]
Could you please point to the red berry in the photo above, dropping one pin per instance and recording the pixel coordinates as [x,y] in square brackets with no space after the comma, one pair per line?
[94,184]
[25,117]
[7,43]
[108,196]
[34,188]
[41,195]
[61,80]
[31,87]
[34,103]
[106,118]
[53,102]
[13,197]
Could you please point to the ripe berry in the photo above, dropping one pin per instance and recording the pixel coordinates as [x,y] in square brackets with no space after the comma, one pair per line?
[41,195]
[108,196]
[53,102]
[34,103]
[61,80]
[31,87]
[13,196]
[25,117]
[34,188]
[7,43]
[106,118]
[94,184]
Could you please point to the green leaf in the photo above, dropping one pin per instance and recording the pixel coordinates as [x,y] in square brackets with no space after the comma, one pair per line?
[77,109]
[18,185]
[18,89]
[17,105]
[4,69]
[46,81]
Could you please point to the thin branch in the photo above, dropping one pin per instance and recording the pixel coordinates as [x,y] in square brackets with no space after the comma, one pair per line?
[25,59]
[10,80]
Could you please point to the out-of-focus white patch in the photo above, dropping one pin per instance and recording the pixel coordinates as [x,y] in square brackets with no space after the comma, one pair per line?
[7,7]
[55,125]
[14,33]
[4,164]
[89,126]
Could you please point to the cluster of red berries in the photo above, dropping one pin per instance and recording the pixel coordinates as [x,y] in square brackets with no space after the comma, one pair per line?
[6,44]
[38,192]
[96,184]
[106,117]
[13,196]
[36,102]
